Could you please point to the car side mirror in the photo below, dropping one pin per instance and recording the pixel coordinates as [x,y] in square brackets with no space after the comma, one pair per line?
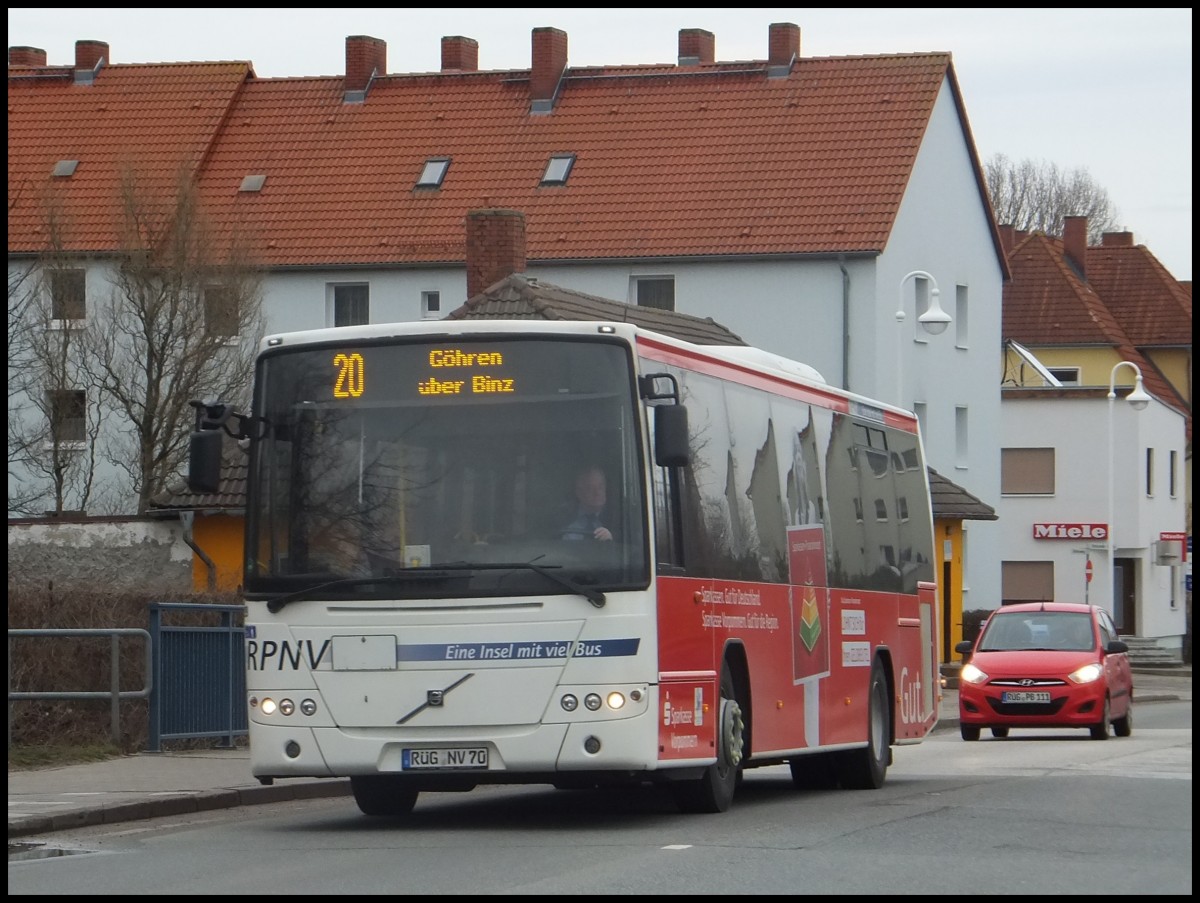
[1115,646]
[964,647]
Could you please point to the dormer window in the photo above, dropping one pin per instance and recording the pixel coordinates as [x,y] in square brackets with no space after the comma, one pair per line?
[64,169]
[434,172]
[558,169]
[253,183]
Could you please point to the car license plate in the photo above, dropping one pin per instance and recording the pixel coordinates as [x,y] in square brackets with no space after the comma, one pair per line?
[1025,696]
[444,757]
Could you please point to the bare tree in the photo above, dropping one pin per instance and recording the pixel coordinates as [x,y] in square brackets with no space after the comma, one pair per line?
[1036,196]
[182,322]
[53,424]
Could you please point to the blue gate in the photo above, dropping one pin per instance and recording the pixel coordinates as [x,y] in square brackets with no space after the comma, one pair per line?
[199,687]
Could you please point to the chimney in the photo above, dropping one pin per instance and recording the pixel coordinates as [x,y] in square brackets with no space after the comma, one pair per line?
[90,56]
[366,57]
[1075,242]
[783,48]
[1117,240]
[549,64]
[696,46]
[460,54]
[495,247]
[26,56]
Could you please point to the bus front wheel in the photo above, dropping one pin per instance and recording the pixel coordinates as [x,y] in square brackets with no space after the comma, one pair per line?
[713,792]
[383,795]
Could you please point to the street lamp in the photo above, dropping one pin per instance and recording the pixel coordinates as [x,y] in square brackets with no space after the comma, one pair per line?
[934,321]
[1138,398]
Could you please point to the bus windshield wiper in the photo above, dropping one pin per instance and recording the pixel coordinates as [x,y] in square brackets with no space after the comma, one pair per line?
[410,575]
[433,574]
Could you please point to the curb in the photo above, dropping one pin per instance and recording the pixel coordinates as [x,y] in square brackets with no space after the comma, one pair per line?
[178,804]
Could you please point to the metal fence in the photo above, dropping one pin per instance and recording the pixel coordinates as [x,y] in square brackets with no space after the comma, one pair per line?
[114,693]
[199,676]
[195,676]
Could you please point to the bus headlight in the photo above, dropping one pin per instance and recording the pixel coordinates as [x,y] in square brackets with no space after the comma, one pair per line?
[268,706]
[615,700]
[569,702]
[592,701]
[286,706]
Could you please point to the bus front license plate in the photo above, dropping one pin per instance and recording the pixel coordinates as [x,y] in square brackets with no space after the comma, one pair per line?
[454,757]
[1025,696]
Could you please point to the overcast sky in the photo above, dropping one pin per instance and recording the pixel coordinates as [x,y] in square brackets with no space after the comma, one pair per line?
[1107,91]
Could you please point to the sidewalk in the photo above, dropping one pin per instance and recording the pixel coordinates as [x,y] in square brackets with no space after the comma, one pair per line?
[151,785]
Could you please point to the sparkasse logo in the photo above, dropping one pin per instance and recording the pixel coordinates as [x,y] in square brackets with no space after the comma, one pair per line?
[1070,531]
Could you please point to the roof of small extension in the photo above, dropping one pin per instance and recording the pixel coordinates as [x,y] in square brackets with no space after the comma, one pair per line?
[670,161]
[519,297]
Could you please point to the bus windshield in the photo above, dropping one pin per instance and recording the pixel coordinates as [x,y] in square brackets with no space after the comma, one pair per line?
[381,461]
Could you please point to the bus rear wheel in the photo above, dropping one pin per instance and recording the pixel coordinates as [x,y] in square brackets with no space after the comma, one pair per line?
[713,792]
[866,768]
[383,795]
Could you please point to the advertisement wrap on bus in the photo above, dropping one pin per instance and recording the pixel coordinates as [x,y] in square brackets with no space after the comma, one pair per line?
[578,554]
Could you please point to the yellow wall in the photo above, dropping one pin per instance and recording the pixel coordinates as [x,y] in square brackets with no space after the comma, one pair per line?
[222,537]
[948,534]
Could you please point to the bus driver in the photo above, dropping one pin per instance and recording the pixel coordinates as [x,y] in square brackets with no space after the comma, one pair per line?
[590,499]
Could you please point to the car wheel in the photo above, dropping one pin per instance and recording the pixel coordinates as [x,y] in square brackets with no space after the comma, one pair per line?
[866,768]
[713,792]
[383,795]
[969,731]
[1100,729]
[1124,725]
[1000,732]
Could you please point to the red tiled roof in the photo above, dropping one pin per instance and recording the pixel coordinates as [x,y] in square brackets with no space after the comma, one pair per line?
[704,160]
[1047,303]
[1152,306]
[160,118]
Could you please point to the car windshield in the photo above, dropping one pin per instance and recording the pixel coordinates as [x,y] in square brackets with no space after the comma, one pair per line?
[1052,630]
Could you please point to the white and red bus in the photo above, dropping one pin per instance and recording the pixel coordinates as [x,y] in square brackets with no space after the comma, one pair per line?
[417,621]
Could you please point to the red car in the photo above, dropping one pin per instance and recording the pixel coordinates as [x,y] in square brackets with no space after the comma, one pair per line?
[1046,664]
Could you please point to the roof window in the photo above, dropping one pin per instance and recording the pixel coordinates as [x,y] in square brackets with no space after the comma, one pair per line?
[558,169]
[64,169]
[253,183]
[434,172]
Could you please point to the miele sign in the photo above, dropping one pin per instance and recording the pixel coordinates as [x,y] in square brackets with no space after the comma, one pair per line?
[1070,531]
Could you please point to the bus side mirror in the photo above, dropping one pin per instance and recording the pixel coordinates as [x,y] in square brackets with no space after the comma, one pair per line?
[204,461]
[671,436]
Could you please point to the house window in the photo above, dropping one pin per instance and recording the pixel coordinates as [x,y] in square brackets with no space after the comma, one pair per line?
[1149,472]
[433,172]
[1068,376]
[961,447]
[67,409]
[1174,463]
[558,169]
[902,507]
[654,291]
[858,512]
[221,311]
[431,305]
[960,317]
[880,510]
[67,295]
[1027,471]
[1026,581]
[351,305]
[921,288]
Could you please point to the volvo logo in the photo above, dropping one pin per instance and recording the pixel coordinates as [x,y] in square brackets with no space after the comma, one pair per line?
[434,698]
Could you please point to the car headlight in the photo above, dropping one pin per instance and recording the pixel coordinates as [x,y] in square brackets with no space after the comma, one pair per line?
[971,674]
[1087,673]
